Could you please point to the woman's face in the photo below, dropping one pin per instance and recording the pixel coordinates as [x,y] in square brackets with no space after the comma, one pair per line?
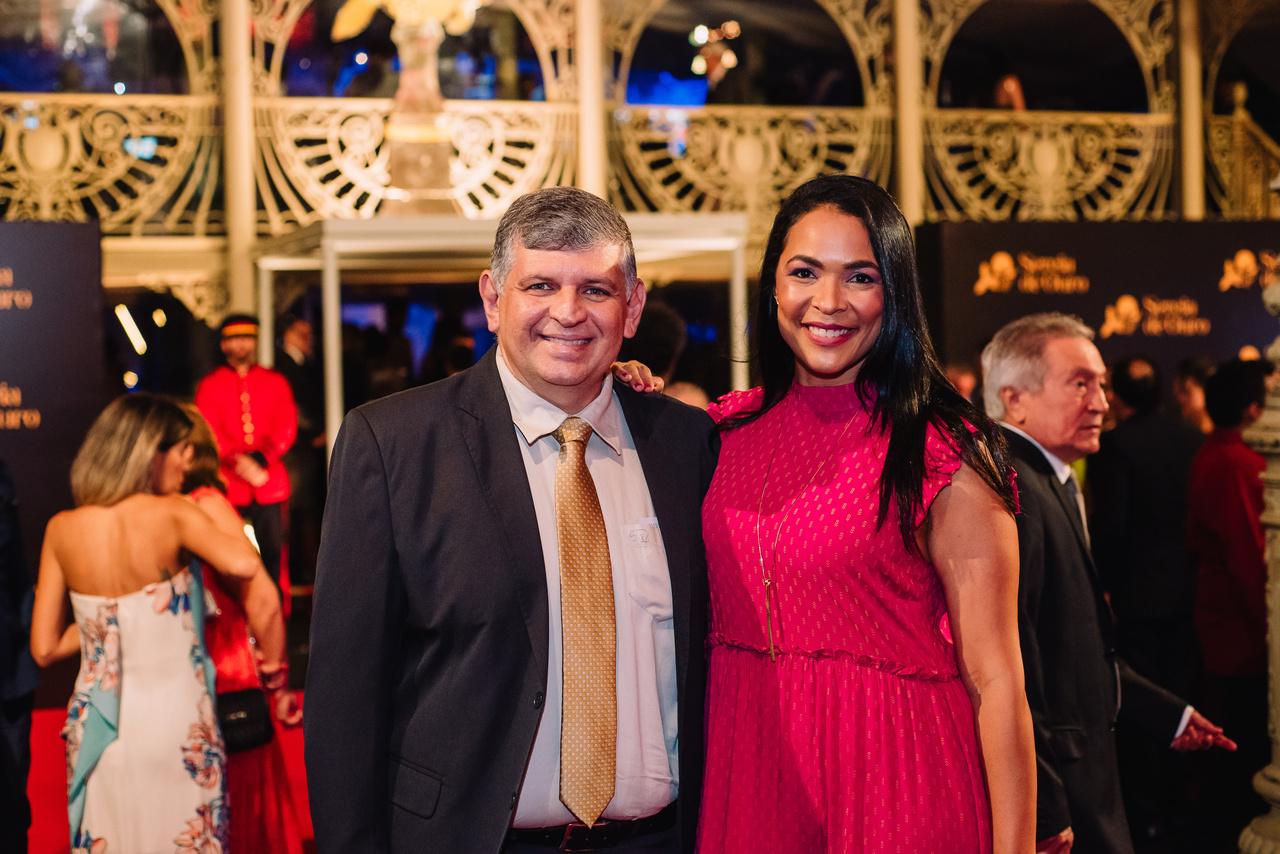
[830,296]
[169,468]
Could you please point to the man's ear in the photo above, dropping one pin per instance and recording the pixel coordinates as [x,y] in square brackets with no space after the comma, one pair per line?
[635,308]
[1015,405]
[489,296]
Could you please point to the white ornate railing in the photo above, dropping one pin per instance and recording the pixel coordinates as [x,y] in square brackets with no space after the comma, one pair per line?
[731,158]
[324,157]
[139,164]
[998,165]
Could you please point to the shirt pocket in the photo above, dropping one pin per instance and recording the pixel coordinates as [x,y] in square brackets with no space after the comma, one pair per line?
[648,582]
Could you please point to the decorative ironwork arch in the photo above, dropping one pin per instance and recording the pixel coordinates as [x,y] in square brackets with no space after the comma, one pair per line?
[549,24]
[747,158]
[864,24]
[1047,165]
[1243,158]
[1147,26]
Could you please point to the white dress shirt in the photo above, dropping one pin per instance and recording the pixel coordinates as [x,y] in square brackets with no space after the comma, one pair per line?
[1062,471]
[647,768]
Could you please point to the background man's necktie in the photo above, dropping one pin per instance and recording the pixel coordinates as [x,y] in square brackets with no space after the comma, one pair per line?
[589,724]
[1073,489]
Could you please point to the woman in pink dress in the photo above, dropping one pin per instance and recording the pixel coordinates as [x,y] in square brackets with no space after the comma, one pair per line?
[865,687]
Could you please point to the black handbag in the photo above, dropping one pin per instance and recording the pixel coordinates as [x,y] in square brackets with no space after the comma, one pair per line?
[244,719]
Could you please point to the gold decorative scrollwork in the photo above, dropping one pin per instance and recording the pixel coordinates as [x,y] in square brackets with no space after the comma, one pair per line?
[143,164]
[204,297]
[740,158]
[996,165]
[324,157]
[192,22]
[1243,161]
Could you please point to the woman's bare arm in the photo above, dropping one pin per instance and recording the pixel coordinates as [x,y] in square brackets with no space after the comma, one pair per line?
[261,602]
[972,540]
[227,554]
[51,638]
[258,593]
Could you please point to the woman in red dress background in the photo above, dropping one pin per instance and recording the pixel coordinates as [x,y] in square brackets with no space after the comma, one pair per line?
[865,689]
[245,638]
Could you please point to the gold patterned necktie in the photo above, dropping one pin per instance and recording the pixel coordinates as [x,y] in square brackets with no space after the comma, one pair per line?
[589,721]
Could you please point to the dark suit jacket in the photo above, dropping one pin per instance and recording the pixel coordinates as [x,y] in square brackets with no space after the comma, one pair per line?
[429,635]
[1076,686]
[17,669]
[1138,482]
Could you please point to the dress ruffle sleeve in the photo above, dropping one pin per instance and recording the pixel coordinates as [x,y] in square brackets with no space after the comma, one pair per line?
[942,460]
[736,403]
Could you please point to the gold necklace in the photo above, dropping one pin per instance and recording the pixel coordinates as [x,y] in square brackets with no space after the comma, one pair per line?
[766,577]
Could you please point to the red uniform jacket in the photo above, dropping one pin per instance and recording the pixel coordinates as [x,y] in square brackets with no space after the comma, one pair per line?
[1224,534]
[250,413]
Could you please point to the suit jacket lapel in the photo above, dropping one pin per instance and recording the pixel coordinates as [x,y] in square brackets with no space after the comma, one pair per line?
[1036,458]
[492,443]
[675,516]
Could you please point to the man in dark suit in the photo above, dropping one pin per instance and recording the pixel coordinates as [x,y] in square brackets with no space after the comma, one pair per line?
[1138,483]
[510,602]
[305,460]
[1043,380]
[17,674]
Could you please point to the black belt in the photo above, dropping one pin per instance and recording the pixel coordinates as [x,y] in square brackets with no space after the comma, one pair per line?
[604,834]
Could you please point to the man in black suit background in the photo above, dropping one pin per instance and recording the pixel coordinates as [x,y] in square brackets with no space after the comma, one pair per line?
[17,674]
[445,708]
[1138,483]
[1043,379]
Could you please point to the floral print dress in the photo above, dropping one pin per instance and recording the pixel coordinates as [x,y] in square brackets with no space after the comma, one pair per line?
[144,756]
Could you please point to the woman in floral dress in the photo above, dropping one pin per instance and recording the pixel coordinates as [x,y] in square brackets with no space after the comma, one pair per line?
[145,763]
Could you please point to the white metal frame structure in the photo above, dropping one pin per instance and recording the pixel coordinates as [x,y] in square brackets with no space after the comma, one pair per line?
[412,243]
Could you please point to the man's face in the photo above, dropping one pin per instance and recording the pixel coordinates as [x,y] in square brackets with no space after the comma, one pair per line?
[300,337]
[561,318]
[240,350]
[1065,415]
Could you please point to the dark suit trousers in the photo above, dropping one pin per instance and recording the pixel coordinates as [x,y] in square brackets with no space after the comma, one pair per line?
[15,762]
[1099,823]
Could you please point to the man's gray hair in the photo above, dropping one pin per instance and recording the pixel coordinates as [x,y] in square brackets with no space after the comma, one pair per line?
[1015,356]
[560,218]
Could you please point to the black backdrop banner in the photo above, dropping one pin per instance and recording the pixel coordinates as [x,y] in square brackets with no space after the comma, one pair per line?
[51,360]
[1165,290]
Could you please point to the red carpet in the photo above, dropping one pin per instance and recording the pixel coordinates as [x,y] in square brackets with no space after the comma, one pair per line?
[47,785]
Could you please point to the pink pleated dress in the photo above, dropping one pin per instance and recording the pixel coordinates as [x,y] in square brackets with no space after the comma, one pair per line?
[860,736]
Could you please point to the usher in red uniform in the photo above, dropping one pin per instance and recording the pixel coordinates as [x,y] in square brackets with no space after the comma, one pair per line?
[249,413]
[255,415]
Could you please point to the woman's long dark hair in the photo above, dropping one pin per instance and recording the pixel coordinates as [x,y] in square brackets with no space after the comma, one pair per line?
[900,377]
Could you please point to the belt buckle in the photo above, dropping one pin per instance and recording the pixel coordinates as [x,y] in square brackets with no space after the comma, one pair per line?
[566,842]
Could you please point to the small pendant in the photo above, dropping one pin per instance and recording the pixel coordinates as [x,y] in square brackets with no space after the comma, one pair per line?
[768,617]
